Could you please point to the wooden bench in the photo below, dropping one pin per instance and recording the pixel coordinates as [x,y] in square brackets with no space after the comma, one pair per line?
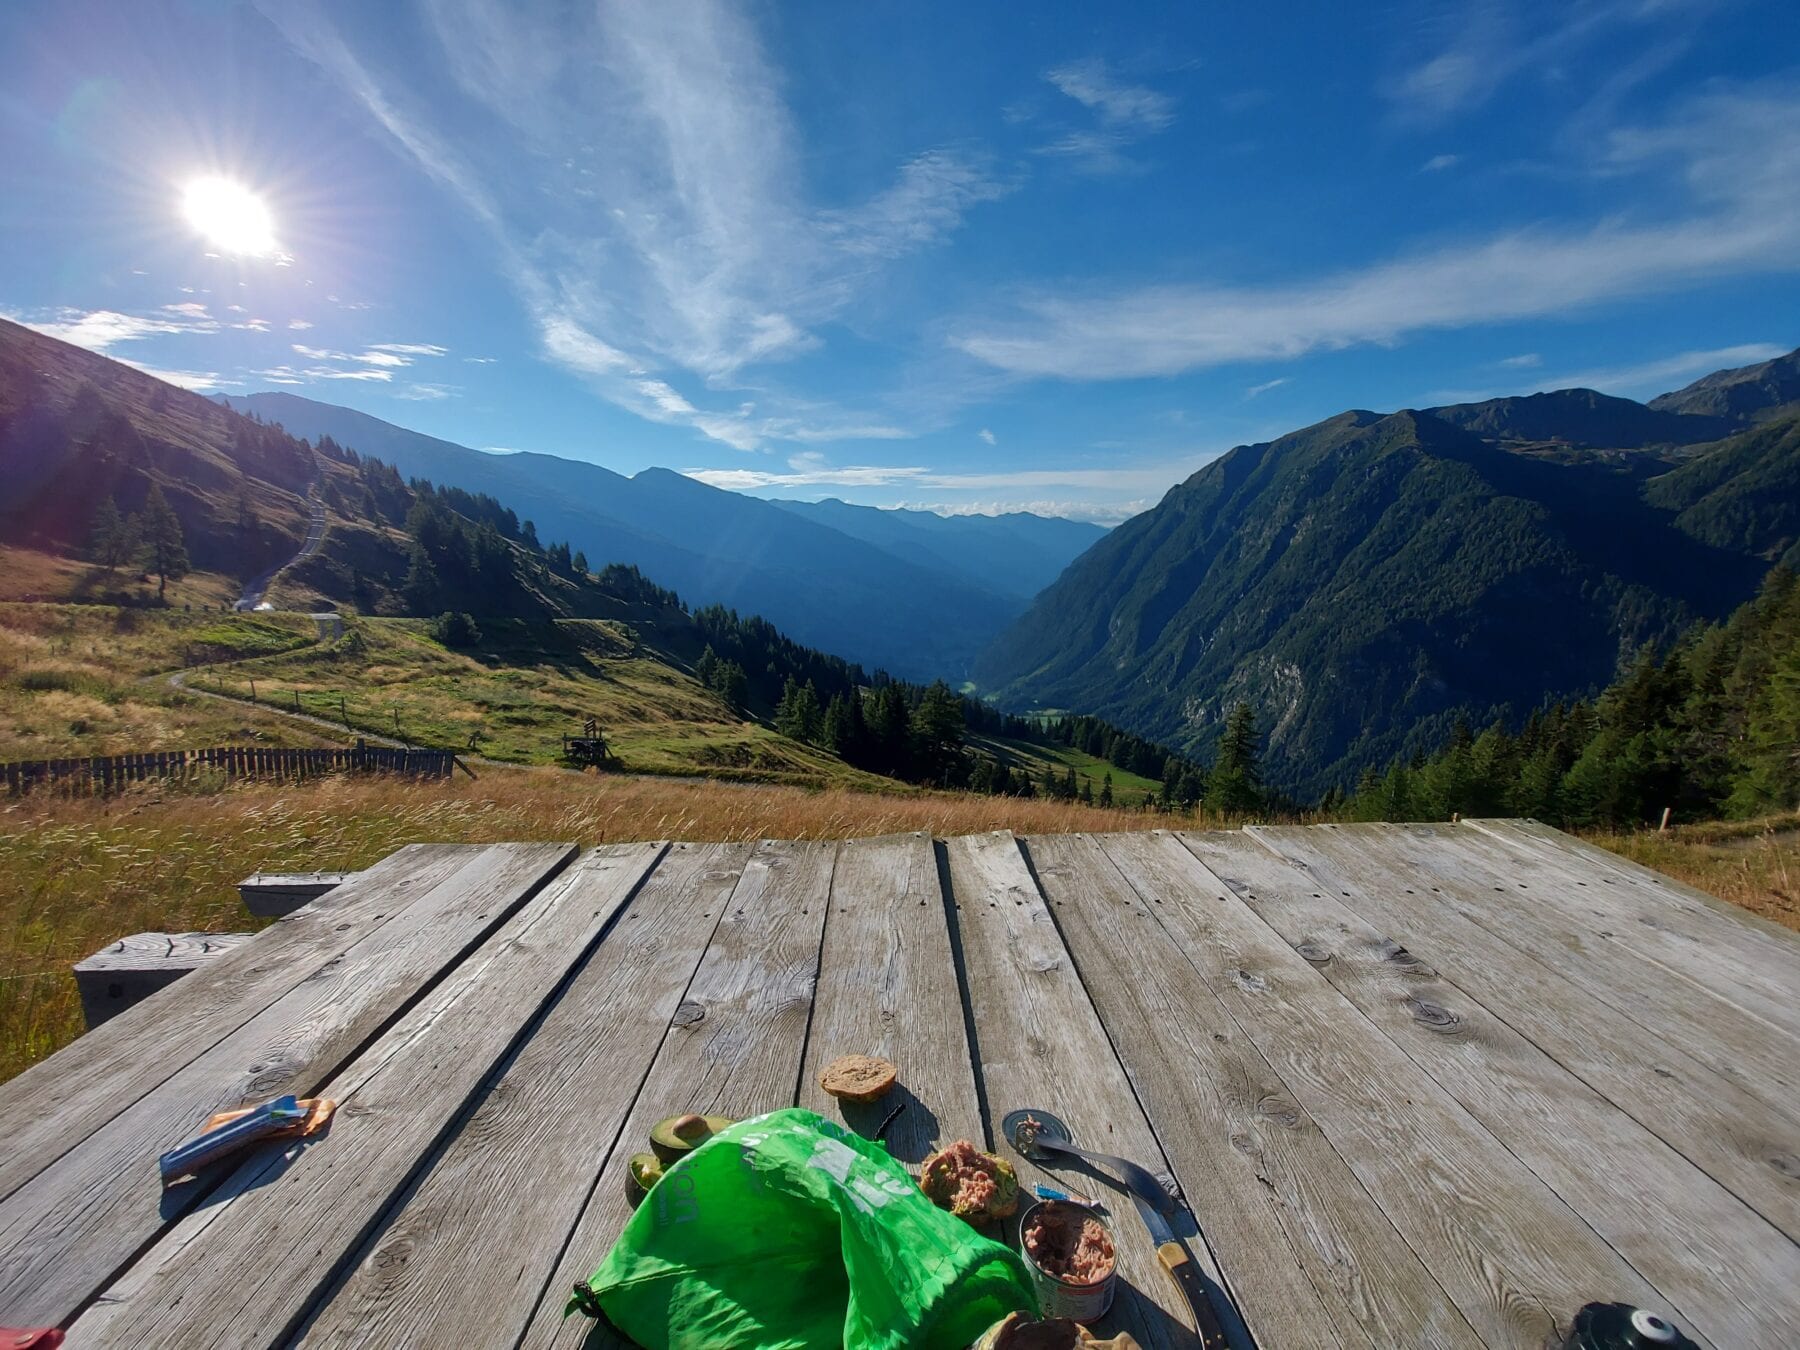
[128,971]
[270,895]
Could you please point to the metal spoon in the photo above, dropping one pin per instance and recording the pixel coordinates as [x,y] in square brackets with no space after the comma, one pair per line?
[1036,1134]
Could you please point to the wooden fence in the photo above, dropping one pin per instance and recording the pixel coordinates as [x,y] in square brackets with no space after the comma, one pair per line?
[103,773]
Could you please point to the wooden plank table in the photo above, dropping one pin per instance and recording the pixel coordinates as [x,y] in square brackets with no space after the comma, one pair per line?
[1420,1085]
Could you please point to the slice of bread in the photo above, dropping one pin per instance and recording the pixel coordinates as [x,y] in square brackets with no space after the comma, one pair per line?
[858,1078]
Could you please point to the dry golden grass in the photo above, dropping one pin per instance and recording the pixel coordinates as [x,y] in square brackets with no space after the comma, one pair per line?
[80,873]
[27,573]
[1751,863]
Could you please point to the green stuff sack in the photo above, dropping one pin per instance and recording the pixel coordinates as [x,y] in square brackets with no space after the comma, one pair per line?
[789,1231]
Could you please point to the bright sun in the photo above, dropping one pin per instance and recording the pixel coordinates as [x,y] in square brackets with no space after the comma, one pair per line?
[229,215]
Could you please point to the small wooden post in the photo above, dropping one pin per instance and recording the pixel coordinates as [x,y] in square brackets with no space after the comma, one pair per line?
[343,712]
[296,700]
[1664,827]
[253,691]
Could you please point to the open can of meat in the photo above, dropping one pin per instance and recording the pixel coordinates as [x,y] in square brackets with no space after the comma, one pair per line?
[1070,1252]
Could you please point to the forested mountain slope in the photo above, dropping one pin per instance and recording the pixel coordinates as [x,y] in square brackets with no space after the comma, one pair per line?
[1365,582]
[919,611]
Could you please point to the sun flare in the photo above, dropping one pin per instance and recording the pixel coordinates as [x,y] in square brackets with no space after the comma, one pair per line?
[229,216]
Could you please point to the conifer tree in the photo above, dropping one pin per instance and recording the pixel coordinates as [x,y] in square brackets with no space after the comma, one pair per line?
[1106,790]
[164,550]
[113,538]
[1235,784]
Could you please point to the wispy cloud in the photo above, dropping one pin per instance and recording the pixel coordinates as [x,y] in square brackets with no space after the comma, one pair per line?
[1524,360]
[99,330]
[1117,102]
[1141,477]
[299,325]
[427,393]
[198,380]
[409,348]
[987,436]
[1266,386]
[664,256]
[1438,163]
[1734,157]
[1461,56]
[1124,114]
[292,375]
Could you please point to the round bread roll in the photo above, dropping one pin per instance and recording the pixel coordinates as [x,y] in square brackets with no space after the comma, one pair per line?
[858,1078]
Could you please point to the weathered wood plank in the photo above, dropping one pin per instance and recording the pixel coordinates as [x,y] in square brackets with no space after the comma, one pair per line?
[1683,929]
[1039,1042]
[1515,1259]
[58,1102]
[1526,901]
[472,1247]
[246,1268]
[887,986]
[271,895]
[68,1231]
[123,974]
[1735,1138]
[1716,1260]
[1775,937]
[1310,1255]
[733,1049]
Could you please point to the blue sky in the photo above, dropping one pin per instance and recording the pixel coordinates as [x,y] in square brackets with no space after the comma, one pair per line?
[983,257]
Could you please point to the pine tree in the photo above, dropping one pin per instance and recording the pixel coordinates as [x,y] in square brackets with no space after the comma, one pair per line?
[581,564]
[164,550]
[113,537]
[1106,790]
[936,726]
[1235,784]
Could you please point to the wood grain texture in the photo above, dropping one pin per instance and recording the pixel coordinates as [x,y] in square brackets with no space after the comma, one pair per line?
[1772,938]
[246,1268]
[472,1246]
[58,1102]
[1736,1139]
[887,987]
[1039,1043]
[1719,1265]
[1309,1254]
[124,973]
[1515,1259]
[733,1048]
[1668,924]
[67,1232]
[1531,902]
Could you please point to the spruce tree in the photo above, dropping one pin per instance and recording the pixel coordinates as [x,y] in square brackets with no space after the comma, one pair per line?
[1235,784]
[1106,790]
[112,538]
[164,549]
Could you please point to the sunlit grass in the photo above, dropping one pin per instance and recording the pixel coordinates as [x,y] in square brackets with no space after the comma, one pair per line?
[83,872]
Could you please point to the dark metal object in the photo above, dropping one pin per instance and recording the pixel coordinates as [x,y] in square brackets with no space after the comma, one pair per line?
[1619,1326]
[1036,1134]
[1187,1276]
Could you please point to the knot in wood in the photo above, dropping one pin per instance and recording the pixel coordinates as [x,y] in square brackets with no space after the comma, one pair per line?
[1315,952]
[1043,965]
[1433,1015]
[689,1013]
[1280,1111]
[1786,1164]
[1249,980]
[395,1253]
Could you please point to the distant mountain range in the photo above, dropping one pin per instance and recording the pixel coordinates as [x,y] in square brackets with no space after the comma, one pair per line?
[908,591]
[1366,581]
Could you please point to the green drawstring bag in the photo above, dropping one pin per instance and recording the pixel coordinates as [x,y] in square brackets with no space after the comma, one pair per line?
[789,1231]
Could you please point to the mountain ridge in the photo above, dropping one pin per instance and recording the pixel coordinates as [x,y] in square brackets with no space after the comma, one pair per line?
[825,587]
[1366,581]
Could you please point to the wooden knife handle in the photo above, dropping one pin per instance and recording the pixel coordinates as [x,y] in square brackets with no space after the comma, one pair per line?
[1187,1278]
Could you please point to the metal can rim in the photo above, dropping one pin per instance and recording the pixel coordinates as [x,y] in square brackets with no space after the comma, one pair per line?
[1091,1213]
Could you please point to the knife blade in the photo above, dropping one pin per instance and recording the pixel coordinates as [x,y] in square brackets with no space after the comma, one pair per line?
[1187,1276]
